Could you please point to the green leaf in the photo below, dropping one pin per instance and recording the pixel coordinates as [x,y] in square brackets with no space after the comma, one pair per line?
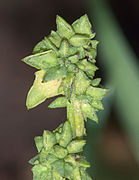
[81,83]
[59,152]
[83,26]
[66,135]
[39,143]
[40,91]
[54,73]
[60,102]
[76,146]
[79,40]
[42,60]
[96,82]
[49,139]
[64,47]
[96,93]
[55,38]
[63,28]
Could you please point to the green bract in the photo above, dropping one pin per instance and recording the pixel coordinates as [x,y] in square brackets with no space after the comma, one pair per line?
[66,63]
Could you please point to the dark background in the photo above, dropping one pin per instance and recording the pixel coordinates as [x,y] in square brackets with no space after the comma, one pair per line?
[22,24]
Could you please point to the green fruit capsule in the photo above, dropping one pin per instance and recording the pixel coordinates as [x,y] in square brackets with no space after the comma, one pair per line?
[83,26]
[64,47]
[39,143]
[39,92]
[96,93]
[63,28]
[97,104]
[49,139]
[79,40]
[81,83]
[79,120]
[59,152]
[55,38]
[96,82]
[76,174]
[60,102]
[56,176]
[89,112]
[54,73]
[66,135]
[73,59]
[42,60]
[76,146]
[82,162]
[40,172]
[94,43]
[40,47]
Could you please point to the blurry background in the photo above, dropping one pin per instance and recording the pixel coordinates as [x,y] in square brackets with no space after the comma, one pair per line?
[113,144]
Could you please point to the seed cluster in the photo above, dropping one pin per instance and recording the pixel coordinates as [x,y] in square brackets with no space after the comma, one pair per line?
[66,59]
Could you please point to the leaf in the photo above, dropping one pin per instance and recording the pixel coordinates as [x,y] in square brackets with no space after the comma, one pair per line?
[55,38]
[40,91]
[66,135]
[76,146]
[60,102]
[81,83]
[79,40]
[83,26]
[57,72]
[63,28]
[42,60]
[96,93]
